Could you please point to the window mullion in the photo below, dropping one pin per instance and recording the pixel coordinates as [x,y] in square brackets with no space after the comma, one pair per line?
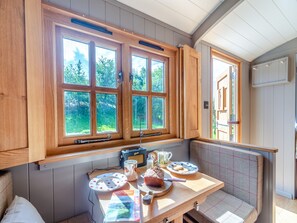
[92,65]
[149,106]
[126,92]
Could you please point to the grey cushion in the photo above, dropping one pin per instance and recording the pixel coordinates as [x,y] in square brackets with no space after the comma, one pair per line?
[224,208]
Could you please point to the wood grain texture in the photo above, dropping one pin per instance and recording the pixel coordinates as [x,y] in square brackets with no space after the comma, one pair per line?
[192,92]
[35,80]
[14,157]
[179,200]
[13,96]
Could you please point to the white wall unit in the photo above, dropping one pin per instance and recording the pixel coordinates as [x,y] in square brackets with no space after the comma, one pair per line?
[270,73]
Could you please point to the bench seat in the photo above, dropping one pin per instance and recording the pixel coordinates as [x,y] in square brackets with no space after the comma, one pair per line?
[224,208]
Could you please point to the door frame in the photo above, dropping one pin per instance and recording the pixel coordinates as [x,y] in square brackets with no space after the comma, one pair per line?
[229,59]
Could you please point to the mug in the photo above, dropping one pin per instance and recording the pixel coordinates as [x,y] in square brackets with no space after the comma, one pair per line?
[130,170]
[164,158]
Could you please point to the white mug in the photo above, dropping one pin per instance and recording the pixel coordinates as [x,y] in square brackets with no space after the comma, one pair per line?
[164,158]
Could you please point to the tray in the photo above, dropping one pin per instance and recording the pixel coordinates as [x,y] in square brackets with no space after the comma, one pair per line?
[185,168]
[108,182]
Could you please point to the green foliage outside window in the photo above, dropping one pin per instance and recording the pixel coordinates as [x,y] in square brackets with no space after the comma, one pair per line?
[77,104]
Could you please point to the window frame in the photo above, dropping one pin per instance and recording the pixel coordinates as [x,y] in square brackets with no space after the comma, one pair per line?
[216,54]
[150,94]
[55,17]
[92,89]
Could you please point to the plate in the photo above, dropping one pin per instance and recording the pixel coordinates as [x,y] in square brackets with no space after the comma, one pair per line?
[108,182]
[183,168]
[157,191]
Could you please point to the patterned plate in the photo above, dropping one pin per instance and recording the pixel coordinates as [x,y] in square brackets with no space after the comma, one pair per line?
[183,168]
[108,182]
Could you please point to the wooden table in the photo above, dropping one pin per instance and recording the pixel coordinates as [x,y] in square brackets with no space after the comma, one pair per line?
[171,206]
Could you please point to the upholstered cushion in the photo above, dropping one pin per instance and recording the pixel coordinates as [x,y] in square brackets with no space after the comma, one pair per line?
[240,170]
[224,208]
[21,211]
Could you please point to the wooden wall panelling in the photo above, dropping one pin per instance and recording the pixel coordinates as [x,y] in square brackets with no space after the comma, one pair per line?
[63,193]
[268,117]
[100,164]
[112,14]
[20,179]
[126,19]
[80,5]
[13,96]
[289,135]
[35,80]
[114,161]
[169,37]
[81,187]
[97,9]
[206,89]
[245,103]
[41,191]
[138,24]
[149,29]
[278,131]
[181,39]
[63,3]
[160,33]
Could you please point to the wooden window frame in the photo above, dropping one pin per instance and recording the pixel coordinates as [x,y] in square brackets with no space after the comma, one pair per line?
[150,94]
[231,60]
[128,42]
[92,89]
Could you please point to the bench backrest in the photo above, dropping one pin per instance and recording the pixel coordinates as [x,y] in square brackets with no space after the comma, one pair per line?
[5,191]
[240,170]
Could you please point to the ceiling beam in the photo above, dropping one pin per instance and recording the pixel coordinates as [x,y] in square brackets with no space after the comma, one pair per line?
[214,18]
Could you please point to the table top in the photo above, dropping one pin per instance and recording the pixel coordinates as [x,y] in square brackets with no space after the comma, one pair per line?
[179,200]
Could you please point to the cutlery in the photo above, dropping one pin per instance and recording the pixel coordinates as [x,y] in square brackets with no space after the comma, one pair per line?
[175,179]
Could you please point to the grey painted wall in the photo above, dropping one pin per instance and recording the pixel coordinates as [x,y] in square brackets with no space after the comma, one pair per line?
[60,193]
[278,128]
[124,17]
[205,50]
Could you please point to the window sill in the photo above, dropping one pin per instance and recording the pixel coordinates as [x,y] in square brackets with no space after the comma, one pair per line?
[46,163]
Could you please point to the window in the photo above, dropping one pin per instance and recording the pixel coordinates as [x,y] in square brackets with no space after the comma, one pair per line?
[149,93]
[89,93]
[108,90]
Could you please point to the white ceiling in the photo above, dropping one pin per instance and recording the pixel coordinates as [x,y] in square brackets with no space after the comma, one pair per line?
[255,27]
[185,15]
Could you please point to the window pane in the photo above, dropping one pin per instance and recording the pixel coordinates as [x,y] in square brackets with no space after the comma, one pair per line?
[76,62]
[106,113]
[157,76]
[158,113]
[139,112]
[105,68]
[139,71]
[77,113]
